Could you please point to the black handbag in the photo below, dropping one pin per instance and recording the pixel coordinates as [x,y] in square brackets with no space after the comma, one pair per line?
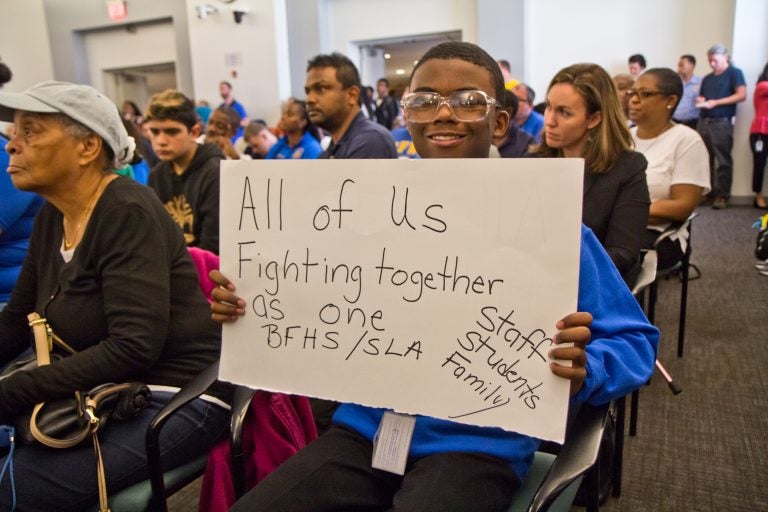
[66,419]
[68,422]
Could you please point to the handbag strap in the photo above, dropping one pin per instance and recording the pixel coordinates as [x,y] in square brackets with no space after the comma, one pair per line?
[43,345]
[43,338]
[100,475]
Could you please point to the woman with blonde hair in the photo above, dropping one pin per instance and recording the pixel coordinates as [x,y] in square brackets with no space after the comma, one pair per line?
[584,119]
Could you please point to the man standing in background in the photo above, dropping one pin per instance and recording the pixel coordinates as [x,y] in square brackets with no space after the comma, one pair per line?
[225,90]
[686,112]
[386,106]
[636,64]
[506,71]
[720,91]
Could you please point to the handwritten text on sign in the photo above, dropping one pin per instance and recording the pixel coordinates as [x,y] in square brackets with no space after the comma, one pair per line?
[429,287]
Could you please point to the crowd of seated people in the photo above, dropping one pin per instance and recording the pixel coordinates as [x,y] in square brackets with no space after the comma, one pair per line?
[643,173]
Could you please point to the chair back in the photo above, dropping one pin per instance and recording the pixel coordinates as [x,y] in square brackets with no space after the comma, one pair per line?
[647,272]
[678,231]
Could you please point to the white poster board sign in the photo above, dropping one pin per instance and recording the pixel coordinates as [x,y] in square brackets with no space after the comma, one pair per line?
[425,286]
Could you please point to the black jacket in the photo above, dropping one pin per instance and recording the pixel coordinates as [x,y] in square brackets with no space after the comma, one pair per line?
[192,198]
[615,208]
[129,302]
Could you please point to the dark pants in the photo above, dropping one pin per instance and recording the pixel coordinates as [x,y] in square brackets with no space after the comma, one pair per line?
[51,479]
[668,251]
[690,123]
[717,133]
[758,160]
[334,473]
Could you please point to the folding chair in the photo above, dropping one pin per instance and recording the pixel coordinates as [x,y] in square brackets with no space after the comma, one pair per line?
[553,480]
[683,232]
[648,279]
[151,494]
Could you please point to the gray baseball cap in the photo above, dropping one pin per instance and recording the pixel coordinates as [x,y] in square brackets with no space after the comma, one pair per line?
[82,103]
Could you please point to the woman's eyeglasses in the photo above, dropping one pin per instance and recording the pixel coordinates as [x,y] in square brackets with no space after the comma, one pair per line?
[642,95]
[466,106]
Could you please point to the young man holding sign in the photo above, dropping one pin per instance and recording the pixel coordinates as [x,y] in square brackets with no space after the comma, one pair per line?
[435,464]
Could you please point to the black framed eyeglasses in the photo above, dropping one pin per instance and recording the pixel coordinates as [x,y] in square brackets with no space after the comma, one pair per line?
[466,106]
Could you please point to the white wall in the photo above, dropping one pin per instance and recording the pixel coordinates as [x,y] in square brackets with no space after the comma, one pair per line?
[371,67]
[258,46]
[501,31]
[70,21]
[304,40]
[345,21]
[560,33]
[24,45]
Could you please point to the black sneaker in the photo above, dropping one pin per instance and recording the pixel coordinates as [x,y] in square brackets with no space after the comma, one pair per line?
[720,203]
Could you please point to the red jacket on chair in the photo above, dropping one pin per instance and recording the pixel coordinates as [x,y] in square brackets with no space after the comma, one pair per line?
[276,427]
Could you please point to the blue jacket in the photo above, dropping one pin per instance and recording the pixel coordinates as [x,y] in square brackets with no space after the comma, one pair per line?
[17,215]
[533,125]
[307,148]
[620,358]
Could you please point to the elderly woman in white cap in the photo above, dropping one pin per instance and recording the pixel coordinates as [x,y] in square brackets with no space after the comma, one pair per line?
[110,271]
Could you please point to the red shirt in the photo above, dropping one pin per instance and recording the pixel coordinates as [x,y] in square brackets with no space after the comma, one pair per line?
[760,122]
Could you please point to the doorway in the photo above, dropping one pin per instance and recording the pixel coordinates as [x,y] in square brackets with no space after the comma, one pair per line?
[394,58]
[131,61]
[137,84]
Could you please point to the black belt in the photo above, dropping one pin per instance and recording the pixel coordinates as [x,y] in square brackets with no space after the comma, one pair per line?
[715,119]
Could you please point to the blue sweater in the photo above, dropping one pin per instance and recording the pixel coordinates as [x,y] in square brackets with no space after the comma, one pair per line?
[17,215]
[620,358]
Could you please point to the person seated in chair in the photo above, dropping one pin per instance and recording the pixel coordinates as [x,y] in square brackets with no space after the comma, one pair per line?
[515,142]
[187,178]
[527,119]
[301,139]
[584,119]
[453,466]
[110,271]
[222,127]
[678,162]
